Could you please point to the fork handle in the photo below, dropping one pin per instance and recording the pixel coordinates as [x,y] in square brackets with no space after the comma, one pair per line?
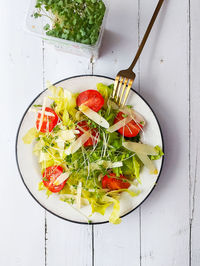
[146,35]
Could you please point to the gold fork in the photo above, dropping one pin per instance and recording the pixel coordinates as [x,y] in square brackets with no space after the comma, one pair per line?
[125,78]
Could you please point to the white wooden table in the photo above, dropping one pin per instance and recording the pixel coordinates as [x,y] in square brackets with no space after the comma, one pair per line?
[165,230]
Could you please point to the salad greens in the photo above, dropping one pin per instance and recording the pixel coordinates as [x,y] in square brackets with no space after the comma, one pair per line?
[74,20]
[87,165]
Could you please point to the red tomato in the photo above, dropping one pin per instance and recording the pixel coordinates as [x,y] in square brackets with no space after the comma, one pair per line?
[92,98]
[129,130]
[112,182]
[50,175]
[94,132]
[49,122]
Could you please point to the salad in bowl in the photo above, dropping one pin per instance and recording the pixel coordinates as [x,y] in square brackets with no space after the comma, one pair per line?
[90,150]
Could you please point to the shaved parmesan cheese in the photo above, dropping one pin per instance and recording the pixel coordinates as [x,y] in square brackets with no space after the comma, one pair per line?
[39,111]
[78,199]
[120,124]
[142,151]
[44,157]
[68,134]
[47,113]
[106,164]
[148,163]
[61,178]
[137,117]
[109,164]
[77,143]
[65,135]
[84,131]
[116,164]
[60,143]
[75,131]
[94,116]
[140,148]
[42,113]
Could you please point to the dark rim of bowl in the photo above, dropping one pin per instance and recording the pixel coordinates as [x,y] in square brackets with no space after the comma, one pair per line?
[16,152]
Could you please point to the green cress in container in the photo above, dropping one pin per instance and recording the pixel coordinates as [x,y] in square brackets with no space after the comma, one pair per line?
[74,26]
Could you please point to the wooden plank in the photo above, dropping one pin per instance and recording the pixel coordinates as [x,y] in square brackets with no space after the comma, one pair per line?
[162,79]
[194,133]
[120,39]
[118,245]
[73,242]
[68,243]
[22,219]
[164,83]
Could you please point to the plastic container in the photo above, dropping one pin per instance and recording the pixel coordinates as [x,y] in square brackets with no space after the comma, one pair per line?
[35,26]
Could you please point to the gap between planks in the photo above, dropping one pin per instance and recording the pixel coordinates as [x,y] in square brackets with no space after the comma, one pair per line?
[192,183]
[189,98]
[92,67]
[45,212]
[138,74]
[45,236]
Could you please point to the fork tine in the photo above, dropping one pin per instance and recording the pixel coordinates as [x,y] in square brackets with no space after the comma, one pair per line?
[123,89]
[119,88]
[127,91]
[115,86]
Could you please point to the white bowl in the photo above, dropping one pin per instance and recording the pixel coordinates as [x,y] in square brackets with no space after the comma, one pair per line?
[30,172]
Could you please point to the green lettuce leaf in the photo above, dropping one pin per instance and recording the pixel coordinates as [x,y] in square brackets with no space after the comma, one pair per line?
[65,190]
[136,167]
[130,192]
[65,104]
[105,91]
[41,186]
[99,207]
[160,154]
[38,147]
[30,136]
[114,217]
[131,167]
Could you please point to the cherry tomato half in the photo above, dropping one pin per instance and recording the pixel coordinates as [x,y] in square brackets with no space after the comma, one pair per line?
[129,130]
[49,122]
[94,132]
[50,175]
[112,182]
[92,98]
